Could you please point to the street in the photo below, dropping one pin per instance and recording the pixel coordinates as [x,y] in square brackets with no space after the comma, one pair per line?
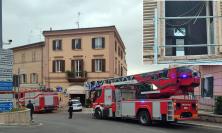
[83,123]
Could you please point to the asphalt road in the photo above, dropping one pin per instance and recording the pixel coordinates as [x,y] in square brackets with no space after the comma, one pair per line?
[83,123]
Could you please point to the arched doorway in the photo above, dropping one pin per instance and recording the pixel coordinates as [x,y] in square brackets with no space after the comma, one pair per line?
[77,92]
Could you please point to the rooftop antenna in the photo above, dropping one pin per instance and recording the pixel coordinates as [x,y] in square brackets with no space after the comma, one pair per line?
[77,22]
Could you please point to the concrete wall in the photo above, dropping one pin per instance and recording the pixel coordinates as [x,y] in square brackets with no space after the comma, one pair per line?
[18,118]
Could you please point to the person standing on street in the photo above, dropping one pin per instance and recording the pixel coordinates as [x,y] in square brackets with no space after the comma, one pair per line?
[70,108]
[31,107]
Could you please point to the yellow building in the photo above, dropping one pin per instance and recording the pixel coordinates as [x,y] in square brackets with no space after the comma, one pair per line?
[68,58]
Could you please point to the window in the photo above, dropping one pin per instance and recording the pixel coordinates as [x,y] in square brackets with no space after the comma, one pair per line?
[76,44]
[98,65]
[98,43]
[77,68]
[23,58]
[34,78]
[34,56]
[58,66]
[57,45]
[23,78]
[207,85]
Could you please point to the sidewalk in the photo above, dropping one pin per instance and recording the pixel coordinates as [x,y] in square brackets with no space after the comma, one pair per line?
[206,119]
[210,116]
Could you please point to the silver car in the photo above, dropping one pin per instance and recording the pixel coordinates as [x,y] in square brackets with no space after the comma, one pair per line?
[76,105]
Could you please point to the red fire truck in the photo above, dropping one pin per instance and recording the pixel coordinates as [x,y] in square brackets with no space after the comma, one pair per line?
[147,97]
[43,101]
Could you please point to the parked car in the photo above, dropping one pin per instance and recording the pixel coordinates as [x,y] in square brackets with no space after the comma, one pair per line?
[76,105]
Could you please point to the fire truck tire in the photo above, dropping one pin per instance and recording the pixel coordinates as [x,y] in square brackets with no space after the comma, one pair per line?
[144,118]
[98,114]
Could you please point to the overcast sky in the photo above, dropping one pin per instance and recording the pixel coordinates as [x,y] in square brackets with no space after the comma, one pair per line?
[24,21]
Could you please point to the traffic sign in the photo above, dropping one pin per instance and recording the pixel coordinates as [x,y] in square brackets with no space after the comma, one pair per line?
[6,96]
[6,88]
[6,106]
[6,84]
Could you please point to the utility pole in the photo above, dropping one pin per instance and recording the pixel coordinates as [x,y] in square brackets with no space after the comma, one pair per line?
[1,40]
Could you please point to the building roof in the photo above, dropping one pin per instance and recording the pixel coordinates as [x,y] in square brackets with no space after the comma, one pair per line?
[84,31]
[37,44]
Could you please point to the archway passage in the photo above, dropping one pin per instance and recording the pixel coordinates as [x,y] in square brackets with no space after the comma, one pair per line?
[77,92]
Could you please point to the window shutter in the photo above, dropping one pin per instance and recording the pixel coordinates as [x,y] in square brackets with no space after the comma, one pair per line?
[93,65]
[93,43]
[103,65]
[103,42]
[62,65]
[53,66]
[81,66]
[148,29]
[80,44]
[54,45]
[210,86]
[60,44]
[37,78]
[73,43]
[31,78]
[72,65]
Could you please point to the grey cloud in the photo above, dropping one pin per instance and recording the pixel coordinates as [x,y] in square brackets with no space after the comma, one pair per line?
[24,20]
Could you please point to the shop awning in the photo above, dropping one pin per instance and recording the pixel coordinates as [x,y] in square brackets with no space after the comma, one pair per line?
[76,90]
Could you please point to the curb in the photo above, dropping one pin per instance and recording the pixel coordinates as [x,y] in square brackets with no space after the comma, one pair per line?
[201,125]
[19,124]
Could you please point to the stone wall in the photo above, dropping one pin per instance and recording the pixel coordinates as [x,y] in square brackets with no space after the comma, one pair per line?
[18,118]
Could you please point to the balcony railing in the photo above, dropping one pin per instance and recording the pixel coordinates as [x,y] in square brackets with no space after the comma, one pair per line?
[76,76]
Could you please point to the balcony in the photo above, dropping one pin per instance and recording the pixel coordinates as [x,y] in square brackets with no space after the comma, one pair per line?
[76,76]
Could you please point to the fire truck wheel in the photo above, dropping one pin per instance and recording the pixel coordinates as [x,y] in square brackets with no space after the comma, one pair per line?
[98,114]
[144,118]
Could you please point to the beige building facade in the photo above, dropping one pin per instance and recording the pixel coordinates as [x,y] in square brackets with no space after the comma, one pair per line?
[91,53]
[71,57]
[190,40]
[28,63]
